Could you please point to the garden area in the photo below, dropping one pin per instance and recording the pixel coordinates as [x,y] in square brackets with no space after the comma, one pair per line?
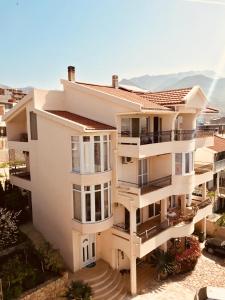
[22,265]
[181,257]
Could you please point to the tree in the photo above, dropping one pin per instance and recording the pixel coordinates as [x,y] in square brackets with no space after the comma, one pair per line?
[221,221]
[8,228]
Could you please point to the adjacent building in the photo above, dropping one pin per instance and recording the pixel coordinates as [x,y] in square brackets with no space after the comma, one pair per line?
[111,171]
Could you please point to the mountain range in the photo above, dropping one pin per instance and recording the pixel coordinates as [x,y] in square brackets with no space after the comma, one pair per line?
[206,79]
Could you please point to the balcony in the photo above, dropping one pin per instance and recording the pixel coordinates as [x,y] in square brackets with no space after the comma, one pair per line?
[148,187]
[141,145]
[203,172]
[152,234]
[21,172]
[219,165]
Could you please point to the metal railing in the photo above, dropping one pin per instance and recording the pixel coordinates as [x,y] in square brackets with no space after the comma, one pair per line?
[152,185]
[121,227]
[219,164]
[153,231]
[167,136]
[20,172]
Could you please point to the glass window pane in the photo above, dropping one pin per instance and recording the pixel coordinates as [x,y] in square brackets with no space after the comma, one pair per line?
[105,149]
[97,138]
[98,215]
[76,157]
[75,139]
[88,207]
[106,203]
[97,157]
[98,187]
[77,187]
[157,208]
[178,163]
[186,162]
[125,127]
[87,157]
[86,138]
[77,205]
[87,188]
[151,210]
[93,249]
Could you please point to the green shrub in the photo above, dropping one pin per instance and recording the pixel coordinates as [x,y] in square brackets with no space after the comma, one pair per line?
[79,290]
[221,221]
[51,259]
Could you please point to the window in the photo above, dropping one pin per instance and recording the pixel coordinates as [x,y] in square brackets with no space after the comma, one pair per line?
[76,154]
[178,163]
[183,163]
[142,171]
[91,154]
[77,202]
[92,203]
[172,201]
[33,126]
[154,209]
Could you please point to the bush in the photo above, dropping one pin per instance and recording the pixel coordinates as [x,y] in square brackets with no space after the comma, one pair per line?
[187,259]
[51,259]
[221,221]
[8,228]
[79,290]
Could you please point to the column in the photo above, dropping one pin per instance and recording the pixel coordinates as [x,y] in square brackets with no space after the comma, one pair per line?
[163,209]
[133,267]
[183,203]
[204,191]
[203,227]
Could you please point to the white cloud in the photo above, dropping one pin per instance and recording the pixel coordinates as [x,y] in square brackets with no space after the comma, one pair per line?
[213,2]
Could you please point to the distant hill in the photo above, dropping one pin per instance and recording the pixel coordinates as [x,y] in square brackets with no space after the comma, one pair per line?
[182,80]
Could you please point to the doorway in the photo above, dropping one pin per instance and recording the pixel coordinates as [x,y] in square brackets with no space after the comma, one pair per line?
[88,249]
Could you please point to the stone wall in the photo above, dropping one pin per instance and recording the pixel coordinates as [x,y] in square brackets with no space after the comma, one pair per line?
[214,230]
[50,289]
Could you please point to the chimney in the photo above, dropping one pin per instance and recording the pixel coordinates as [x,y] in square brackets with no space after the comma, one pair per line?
[115,83]
[71,73]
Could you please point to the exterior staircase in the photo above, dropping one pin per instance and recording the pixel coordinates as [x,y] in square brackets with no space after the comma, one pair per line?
[106,283]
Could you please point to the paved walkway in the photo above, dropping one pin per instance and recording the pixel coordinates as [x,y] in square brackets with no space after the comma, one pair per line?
[210,270]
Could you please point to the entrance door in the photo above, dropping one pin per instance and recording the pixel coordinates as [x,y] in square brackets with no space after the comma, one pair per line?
[88,249]
[157,128]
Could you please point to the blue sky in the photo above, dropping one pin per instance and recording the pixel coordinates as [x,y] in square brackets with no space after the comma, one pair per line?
[39,39]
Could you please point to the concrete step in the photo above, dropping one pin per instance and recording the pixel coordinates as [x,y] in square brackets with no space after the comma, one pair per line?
[117,292]
[108,285]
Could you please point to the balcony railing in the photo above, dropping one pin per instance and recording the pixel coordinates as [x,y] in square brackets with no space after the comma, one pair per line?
[220,164]
[184,135]
[167,136]
[222,190]
[203,168]
[150,186]
[20,172]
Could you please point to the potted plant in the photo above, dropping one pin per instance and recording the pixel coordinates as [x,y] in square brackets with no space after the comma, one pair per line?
[164,263]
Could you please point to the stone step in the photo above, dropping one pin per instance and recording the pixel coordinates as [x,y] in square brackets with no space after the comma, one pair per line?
[105,283]
[95,283]
[108,284]
[109,293]
[117,293]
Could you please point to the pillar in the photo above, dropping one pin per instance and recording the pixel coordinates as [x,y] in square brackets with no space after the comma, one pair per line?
[163,209]
[163,247]
[183,203]
[204,191]
[203,226]
[133,267]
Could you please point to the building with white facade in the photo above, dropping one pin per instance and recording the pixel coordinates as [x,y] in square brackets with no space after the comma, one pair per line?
[111,171]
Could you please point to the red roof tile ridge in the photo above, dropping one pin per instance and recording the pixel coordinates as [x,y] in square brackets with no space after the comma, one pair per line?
[166,91]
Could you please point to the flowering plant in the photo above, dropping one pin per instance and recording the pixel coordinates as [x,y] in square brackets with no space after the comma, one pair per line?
[191,253]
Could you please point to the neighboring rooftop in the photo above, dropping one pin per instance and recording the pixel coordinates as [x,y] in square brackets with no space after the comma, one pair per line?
[210,110]
[88,123]
[219,144]
[129,95]
[167,98]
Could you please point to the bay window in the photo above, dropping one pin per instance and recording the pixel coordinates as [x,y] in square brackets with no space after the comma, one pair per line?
[184,163]
[91,154]
[92,203]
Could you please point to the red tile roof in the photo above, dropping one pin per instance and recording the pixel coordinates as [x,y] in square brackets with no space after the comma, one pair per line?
[219,144]
[125,94]
[88,123]
[167,98]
